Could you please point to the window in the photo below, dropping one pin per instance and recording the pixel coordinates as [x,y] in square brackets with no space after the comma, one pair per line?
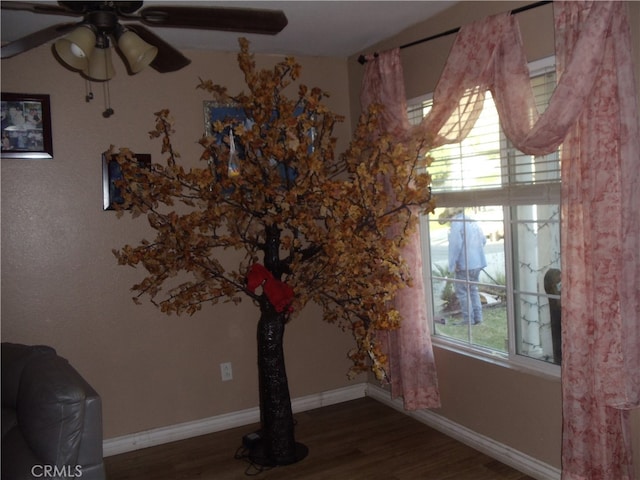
[492,248]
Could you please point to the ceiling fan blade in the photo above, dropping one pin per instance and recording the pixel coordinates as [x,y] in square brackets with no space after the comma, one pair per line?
[248,20]
[168,59]
[119,6]
[47,8]
[36,39]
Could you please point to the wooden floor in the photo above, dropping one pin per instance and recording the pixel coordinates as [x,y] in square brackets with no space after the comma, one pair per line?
[357,440]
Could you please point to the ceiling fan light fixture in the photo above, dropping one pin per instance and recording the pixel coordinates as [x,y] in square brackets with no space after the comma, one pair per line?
[139,54]
[76,48]
[100,67]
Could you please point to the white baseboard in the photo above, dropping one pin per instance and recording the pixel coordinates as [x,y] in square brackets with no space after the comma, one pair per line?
[158,436]
[501,452]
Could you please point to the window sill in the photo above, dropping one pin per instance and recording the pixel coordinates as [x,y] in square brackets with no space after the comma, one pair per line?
[518,363]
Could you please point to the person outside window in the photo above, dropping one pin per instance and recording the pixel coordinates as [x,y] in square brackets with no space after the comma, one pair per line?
[466,261]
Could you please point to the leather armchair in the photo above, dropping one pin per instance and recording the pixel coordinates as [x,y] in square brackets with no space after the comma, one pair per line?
[51,417]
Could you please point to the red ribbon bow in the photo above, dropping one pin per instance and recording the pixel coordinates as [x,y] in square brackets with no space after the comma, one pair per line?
[279,294]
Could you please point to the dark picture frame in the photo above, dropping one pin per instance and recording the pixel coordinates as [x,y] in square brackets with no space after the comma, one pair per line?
[111,172]
[26,126]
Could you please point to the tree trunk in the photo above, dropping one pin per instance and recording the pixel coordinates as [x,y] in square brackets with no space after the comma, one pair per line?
[277,445]
[277,439]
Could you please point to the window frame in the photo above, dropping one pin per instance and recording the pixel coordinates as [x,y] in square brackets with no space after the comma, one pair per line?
[511,358]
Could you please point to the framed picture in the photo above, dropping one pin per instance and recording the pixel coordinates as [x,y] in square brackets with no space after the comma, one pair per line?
[221,111]
[26,126]
[111,172]
[214,111]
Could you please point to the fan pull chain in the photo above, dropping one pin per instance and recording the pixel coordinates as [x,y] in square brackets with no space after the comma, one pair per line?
[88,91]
[108,111]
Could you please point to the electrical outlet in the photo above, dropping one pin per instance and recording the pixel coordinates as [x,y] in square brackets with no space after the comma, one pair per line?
[225,371]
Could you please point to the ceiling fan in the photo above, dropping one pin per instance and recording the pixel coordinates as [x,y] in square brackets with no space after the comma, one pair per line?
[88,41]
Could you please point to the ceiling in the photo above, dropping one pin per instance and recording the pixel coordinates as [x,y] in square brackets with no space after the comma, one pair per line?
[316,28]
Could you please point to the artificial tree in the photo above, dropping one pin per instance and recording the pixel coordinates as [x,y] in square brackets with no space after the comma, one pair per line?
[312,226]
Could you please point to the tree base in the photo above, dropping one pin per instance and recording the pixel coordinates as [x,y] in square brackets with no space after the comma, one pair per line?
[258,456]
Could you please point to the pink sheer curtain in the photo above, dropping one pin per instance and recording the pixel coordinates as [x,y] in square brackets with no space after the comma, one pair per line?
[411,361]
[594,112]
[601,246]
